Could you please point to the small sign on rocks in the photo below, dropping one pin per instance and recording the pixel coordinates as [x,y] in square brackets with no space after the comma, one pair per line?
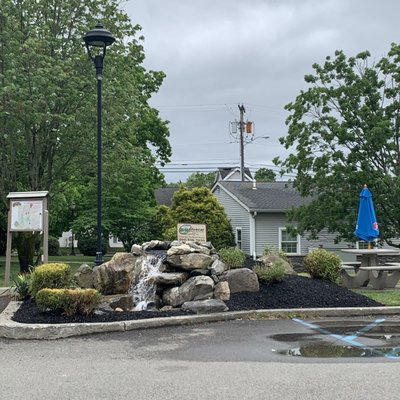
[192,232]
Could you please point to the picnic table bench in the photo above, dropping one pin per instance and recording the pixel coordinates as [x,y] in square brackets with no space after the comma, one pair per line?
[379,276]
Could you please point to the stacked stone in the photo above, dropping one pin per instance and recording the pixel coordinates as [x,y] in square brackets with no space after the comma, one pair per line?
[191,276]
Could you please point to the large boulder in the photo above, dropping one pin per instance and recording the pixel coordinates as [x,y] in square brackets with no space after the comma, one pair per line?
[241,280]
[84,276]
[122,301]
[269,259]
[205,306]
[169,278]
[222,291]
[187,248]
[155,245]
[218,267]
[137,250]
[190,261]
[195,288]
[115,276]
[171,297]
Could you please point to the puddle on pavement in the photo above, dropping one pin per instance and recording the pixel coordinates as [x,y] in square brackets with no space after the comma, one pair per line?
[381,341]
[329,350]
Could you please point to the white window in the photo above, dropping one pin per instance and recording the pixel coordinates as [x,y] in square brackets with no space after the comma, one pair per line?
[238,238]
[288,242]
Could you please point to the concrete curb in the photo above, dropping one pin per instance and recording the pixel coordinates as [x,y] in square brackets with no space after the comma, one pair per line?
[15,330]
[6,291]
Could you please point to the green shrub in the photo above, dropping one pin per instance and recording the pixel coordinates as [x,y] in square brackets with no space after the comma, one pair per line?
[88,246]
[68,301]
[323,264]
[50,276]
[268,249]
[54,246]
[21,284]
[65,251]
[272,274]
[232,257]
[50,300]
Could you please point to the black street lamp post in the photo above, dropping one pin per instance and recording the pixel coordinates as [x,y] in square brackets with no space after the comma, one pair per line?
[72,207]
[97,41]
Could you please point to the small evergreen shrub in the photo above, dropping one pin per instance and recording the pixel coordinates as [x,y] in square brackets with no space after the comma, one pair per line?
[232,257]
[21,284]
[80,301]
[68,301]
[50,299]
[50,276]
[272,274]
[268,250]
[323,264]
[54,246]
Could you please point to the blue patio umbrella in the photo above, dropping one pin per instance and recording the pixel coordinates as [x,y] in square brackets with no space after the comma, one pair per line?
[367,226]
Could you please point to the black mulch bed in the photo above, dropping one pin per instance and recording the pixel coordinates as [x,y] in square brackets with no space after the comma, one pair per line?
[292,292]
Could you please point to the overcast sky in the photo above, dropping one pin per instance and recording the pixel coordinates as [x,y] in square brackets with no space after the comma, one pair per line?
[221,53]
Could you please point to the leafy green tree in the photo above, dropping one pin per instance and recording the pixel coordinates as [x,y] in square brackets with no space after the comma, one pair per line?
[200,179]
[48,101]
[198,205]
[345,130]
[265,175]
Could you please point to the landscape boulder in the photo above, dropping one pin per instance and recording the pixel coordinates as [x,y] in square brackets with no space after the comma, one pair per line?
[195,288]
[269,259]
[241,280]
[205,306]
[115,276]
[84,276]
[222,291]
[190,261]
[217,267]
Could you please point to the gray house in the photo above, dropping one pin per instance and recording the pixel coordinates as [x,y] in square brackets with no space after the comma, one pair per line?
[257,212]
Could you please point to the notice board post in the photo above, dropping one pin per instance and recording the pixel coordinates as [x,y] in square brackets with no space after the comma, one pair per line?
[27,213]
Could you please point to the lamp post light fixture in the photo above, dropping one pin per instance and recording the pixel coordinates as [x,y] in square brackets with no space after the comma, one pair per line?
[96,41]
[256,138]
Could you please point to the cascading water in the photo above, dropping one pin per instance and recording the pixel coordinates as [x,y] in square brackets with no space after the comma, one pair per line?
[144,292]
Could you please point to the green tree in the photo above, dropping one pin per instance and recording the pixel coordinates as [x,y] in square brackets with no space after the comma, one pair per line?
[200,179]
[48,101]
[198,205]
[345,130]
[265,175]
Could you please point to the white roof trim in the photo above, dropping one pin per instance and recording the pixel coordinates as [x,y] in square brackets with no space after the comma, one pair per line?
[236,170]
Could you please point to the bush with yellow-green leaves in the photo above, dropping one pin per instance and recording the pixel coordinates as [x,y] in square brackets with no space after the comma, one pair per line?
[323,264]
[50,276]
[68,301]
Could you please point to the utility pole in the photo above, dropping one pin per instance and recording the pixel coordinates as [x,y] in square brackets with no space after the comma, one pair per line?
[241,125]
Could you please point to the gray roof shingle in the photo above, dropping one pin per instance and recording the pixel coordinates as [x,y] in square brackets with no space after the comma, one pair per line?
[268,196]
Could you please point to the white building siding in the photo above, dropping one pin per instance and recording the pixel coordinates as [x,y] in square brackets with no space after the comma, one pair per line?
[325,240]
[267,234]
[238,216]
[267,230]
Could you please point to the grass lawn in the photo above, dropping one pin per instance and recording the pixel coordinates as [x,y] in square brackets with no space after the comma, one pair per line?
[74,261]
[386,297]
